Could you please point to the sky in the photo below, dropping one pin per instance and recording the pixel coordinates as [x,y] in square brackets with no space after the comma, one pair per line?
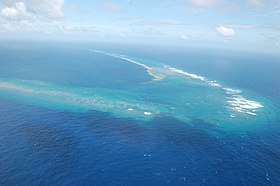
[253,24]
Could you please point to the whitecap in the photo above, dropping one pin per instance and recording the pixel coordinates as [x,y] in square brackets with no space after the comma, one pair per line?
[243,105]
[147,113]
[194,76]
[232,91]
[150,70]
[251,113]
[214,84]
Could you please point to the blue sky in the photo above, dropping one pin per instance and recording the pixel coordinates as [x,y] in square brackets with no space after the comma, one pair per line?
[247,24]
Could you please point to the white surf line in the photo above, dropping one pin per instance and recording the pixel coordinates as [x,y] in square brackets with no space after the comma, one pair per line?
[194,76]
[149,69]
[236,101]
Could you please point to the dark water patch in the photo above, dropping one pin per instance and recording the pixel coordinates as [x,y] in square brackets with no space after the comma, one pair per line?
[250,160]
[35,148]
[40,146]
[50,151]
[96,148]
[178,133]
[102,124]
[58,144]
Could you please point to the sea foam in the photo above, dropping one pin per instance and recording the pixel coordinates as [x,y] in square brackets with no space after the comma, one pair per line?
[132,103]
[243,105]
[212,83]
[235,102]
[150,70]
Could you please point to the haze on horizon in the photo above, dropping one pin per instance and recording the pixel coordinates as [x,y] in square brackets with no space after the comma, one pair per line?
[252,24]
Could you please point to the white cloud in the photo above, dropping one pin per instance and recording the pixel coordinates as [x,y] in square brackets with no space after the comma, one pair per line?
[111,7]
[257,2]
[204,3]
[225,31]
[183,37]
[143,32]
[18,12]
[77,28]
[30,15]
[9,12]
[50,9]
[226,5]
[54,8]
[74,8]
[148,32]
[271,39]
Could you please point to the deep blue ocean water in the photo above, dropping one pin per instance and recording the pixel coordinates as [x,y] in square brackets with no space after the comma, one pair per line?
[72,116]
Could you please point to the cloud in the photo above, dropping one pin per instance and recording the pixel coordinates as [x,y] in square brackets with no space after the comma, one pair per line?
[77,28]
[143,32]
[74,8]
[18,12]
[30,15]
[229,5]
[9,12]
[50,9]
[225,31]
[204,3]
[184,37]
[114,8]
[271,39]
[33,16]
[148,32]
[258,3]
[54,8]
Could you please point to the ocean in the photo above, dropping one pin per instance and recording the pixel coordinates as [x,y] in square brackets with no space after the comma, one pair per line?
[74,113]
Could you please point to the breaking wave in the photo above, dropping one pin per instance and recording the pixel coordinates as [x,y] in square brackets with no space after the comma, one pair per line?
[236,101]
[150,70]
[132,103]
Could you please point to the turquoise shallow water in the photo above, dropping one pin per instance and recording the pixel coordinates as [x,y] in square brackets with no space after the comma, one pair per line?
[169,92]
[126,115]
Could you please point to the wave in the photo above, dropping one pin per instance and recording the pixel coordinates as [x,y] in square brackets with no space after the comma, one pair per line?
[242,105]
[193,76]
[129,103]
[235,102]
[150,70]
[117,102]
[232,91]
